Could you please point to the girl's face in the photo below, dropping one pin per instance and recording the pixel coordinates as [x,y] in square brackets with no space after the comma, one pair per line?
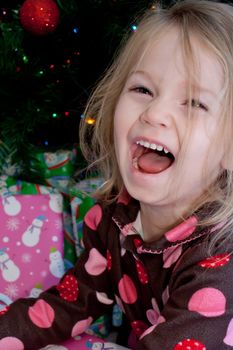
[152,112]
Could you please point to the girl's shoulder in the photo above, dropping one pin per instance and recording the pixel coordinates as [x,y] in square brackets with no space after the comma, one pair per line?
[206,252]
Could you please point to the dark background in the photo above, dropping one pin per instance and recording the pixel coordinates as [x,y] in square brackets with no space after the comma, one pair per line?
[30,98]
[45,80]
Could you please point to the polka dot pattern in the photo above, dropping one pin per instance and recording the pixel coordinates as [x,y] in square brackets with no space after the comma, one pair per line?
[68,288]
[11,343]
[215,261]
[103,298]
[109,260]
[137,242]
[209,302]
[127,290]
[142,274]
[139,327]
[81,326]
[149,330]
[182,231]
[189,344]
[131,281]
[93,217]
[96,263]
[153,314]
[229,334]
[171,255]
[41,314]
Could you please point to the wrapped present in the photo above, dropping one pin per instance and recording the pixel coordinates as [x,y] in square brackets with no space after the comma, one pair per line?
[83,188]
[9,186]
[56,169]
[15,194]
[85,342]
[32,236]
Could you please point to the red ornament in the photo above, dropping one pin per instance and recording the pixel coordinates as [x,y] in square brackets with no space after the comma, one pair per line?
[39,17]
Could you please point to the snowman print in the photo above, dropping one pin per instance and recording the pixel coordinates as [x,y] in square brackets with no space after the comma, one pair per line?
[95,346]
[4,301]
[10,272]
[55,203]
[31,236]
[35,291]
[56,266]
[11,205]
[104,346]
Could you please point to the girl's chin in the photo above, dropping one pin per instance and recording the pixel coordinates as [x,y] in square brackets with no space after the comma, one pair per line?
[148,195]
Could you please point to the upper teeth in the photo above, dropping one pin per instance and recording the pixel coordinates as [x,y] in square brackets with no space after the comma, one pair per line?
[152,146]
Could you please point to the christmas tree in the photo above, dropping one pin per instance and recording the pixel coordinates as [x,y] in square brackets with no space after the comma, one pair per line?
[51,54]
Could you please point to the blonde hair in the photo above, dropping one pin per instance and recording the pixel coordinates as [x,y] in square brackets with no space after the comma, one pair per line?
[211,22]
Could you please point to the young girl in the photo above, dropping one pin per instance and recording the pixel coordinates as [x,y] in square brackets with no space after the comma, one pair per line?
[159,240]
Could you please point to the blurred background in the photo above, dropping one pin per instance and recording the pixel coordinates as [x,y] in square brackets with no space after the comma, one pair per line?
[52,52]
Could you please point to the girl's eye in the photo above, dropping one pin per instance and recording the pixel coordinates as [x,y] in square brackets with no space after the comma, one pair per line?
[141,90]
[198,104]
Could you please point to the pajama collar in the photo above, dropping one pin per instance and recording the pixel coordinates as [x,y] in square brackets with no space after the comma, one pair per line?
[127,218]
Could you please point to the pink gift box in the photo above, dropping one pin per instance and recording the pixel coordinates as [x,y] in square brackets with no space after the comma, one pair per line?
[85,342]
[31,245]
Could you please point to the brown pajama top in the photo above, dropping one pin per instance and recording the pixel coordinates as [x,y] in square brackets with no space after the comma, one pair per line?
[173,293]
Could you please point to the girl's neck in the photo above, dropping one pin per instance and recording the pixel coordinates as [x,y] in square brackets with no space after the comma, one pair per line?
[157,221]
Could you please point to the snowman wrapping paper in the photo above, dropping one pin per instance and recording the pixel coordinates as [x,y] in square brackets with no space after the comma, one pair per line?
[31,244]
[11,190]
[31,256]
[85,342]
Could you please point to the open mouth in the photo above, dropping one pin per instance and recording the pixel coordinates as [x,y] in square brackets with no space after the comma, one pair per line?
[151,158]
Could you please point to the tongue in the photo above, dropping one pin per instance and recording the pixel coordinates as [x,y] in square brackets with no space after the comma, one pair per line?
[153,163]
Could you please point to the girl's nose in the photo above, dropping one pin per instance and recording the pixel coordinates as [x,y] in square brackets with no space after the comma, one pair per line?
[158,113]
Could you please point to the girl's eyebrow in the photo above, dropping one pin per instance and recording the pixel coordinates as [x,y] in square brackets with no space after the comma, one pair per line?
[197,87]
[144,73]
[183,83]
[140,72]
